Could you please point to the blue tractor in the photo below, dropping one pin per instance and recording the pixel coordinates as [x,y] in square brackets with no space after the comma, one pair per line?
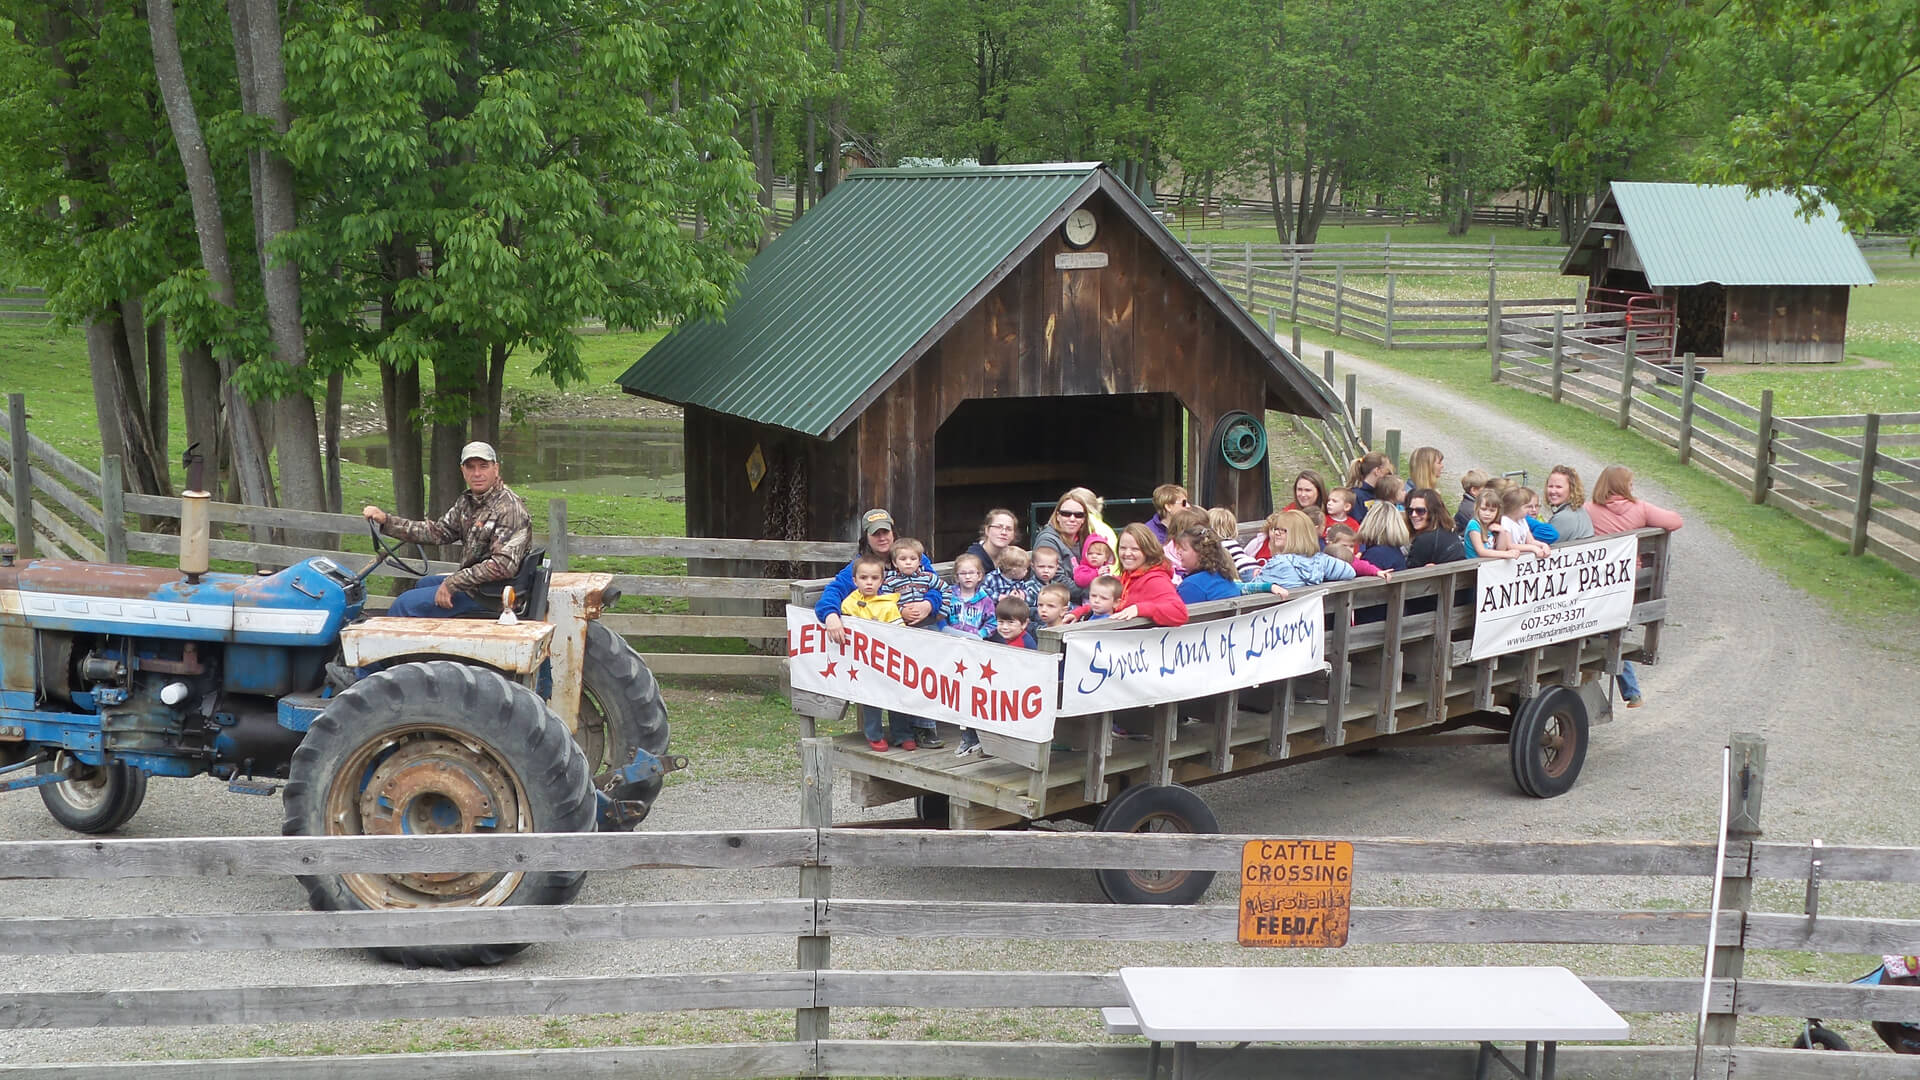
[534,718]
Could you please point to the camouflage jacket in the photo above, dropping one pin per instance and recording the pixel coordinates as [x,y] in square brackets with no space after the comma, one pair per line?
[494,528]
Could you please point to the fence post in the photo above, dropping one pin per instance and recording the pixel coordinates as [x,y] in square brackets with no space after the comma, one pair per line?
[1392,449]
[1296,341]
[1353,391]
[1493,334]
[1329,360]
[1273,324]
[22,475]
[1249,252]
[1559,353]
[1386,259]
[557,535]
[1387,328]
[816,881]
[113,508]
[1626,379]
[1206,252]
[1339,298]
[1745,779]
[1763,450]
[1863,490]
[1366,428]
[1293,309]
[1687,375]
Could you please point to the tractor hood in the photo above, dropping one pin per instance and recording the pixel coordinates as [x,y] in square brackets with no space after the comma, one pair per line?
[305,604]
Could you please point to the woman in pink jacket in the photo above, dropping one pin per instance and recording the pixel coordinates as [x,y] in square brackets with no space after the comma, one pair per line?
[1614,510]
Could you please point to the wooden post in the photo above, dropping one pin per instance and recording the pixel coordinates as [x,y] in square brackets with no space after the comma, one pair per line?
[1386,328]
[1392,449]
[1353,392]
[1249,253]
[1579,296]
[1763,450]
[1206,253]
[1559,352]
[1296,341]
[22,475]
[1493,335]
[1745,781]
[1293,310]
[1863,490]
[113,508]
[1386,259]
[1339,298]
[1687,375]
[1273,325]
[816,881]
[1366,428]
[557,535]
[1626,379]
[1329,362]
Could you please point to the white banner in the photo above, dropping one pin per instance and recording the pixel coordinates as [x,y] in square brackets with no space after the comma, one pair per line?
[1123,669]
[1572,592]
[973,683]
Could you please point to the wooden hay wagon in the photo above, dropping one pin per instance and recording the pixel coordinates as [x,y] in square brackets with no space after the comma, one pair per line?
[1397,663]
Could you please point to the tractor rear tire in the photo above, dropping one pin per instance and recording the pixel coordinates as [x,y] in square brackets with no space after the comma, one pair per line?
[98,800]
[622,700]
[438,747]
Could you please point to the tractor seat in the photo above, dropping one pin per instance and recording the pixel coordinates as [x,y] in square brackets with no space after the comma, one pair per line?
[529,590]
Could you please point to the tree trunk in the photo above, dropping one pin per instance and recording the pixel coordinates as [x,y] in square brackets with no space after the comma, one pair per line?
[159,400]
[200,399]
[486,422]
[296,433]
[453,391]
[123,421]
[249,448]
[336,389]
[107,402]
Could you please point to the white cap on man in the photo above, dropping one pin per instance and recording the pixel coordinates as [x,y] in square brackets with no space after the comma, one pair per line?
[478,450]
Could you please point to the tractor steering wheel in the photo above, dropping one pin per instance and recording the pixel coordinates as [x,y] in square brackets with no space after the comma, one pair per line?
[385,551]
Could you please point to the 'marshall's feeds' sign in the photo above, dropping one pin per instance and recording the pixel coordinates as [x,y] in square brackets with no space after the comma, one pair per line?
[1571,592]
[976,684]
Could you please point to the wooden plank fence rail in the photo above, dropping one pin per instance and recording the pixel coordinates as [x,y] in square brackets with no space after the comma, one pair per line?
[813,988]
[1816,468]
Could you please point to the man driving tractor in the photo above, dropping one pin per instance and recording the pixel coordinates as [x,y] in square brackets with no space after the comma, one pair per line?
[488,518]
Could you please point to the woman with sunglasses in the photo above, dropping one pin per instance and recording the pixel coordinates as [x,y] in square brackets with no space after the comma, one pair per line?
[1434,541]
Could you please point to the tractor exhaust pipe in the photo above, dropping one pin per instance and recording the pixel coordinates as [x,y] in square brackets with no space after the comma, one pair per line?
[195,538]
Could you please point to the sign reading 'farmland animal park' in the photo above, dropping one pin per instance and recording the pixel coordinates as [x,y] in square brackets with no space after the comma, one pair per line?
[1121,669]
[1571,592]
[976,684]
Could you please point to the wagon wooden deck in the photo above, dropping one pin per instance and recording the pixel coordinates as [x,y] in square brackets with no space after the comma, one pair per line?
[1400,673]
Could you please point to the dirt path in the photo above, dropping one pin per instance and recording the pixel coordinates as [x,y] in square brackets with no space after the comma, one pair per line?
[1743,651]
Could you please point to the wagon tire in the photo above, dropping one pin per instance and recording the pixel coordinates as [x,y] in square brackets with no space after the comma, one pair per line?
[621,699]
[1548,743]
[1819,1037]
[933,809]
[99,799]
[438,747]
[1156,808]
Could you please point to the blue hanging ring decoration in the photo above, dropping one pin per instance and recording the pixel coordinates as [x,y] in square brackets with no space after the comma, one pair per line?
[1242,440]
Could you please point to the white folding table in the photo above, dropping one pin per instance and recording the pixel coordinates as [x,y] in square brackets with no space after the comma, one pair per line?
[1533,1005]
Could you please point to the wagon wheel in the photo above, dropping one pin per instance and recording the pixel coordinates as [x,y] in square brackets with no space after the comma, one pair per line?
[1548,744]
[1156,808]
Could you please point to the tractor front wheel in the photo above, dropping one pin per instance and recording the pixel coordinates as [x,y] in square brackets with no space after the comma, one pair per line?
[95,798]
[438,747]
[620,712]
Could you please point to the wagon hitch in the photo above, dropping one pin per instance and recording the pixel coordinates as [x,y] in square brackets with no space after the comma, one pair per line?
[623,814]
[21,783]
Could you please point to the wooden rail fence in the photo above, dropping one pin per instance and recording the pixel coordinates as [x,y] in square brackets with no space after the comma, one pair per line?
[72,513]
[1306,293]
[816,915]
[1844,475]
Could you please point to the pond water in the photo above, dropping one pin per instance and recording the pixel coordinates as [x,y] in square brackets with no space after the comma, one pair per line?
[601,457]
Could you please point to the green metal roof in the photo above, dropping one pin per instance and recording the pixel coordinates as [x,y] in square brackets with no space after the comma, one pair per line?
[835,301]
[1689,234]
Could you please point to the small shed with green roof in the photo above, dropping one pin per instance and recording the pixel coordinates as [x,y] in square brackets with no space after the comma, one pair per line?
[1720,273]
[944,341]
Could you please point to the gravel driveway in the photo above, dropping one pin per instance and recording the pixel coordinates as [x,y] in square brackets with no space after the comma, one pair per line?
[1743,651]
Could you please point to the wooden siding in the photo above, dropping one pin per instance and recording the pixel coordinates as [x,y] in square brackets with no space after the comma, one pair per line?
[1133,327]
[1786,324]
